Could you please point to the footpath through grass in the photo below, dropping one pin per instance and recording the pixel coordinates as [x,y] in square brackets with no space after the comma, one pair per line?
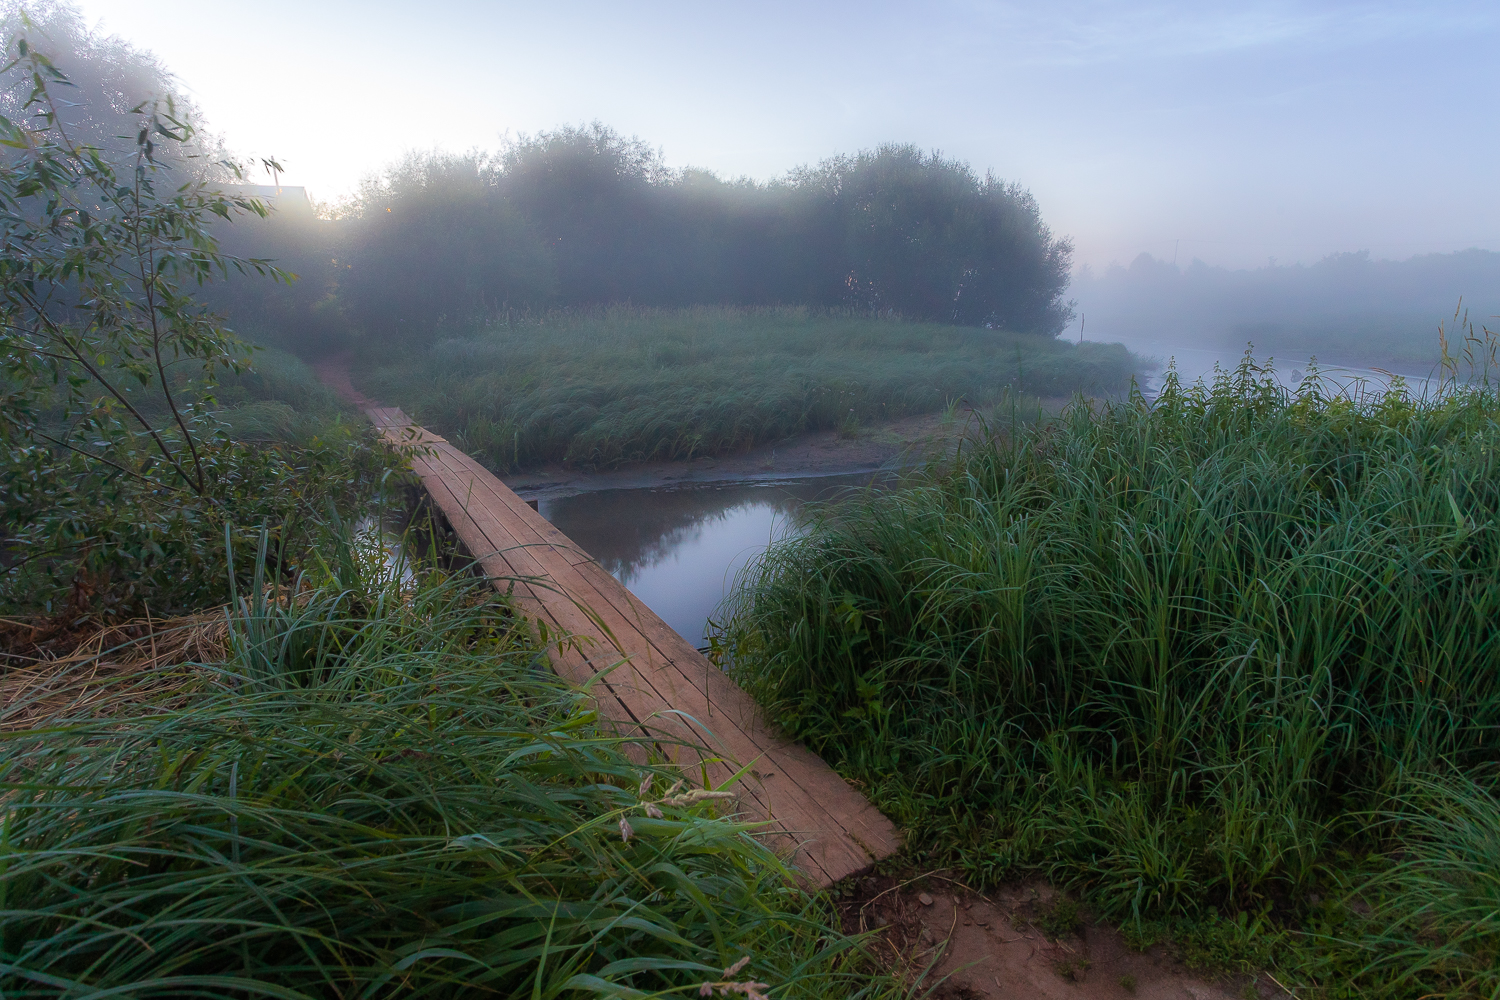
[373,788]
[625,385]
[1226,664]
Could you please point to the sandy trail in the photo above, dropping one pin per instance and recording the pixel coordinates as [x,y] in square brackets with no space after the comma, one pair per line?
[333,371]
[983,946]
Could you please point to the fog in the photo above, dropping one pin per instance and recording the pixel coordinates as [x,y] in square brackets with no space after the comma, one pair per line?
[1351,310]
[1236,132]
[1312,179]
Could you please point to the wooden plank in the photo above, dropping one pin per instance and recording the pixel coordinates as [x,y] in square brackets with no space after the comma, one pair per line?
[676,703]
[658,696]
[672,658]
[655,684]
[657,699]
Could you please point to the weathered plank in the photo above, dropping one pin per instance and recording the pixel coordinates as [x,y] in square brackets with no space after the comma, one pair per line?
[655,683]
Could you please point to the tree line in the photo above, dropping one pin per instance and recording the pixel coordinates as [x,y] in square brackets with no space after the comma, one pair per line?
[580,216]
[583,216]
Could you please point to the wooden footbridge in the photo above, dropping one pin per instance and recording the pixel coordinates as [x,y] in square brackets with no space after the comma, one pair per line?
[655,683]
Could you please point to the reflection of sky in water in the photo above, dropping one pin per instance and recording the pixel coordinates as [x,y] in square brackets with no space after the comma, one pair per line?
[679,549]
[686,581]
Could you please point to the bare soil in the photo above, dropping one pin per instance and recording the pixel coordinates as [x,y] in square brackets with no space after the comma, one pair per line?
[888,447]
[333,371]
[966,945]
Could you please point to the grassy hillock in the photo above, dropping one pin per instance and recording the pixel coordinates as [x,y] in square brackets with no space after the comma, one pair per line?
[1227,665]
[627,385]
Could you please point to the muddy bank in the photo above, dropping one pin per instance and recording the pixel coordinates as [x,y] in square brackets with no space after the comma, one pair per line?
[890,447]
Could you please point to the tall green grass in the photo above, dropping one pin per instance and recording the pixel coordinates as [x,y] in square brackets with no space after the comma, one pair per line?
[379,790]
[1202,659]
[280,399]
[626,385]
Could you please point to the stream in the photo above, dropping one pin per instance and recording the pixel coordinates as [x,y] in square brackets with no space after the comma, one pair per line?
[679,548]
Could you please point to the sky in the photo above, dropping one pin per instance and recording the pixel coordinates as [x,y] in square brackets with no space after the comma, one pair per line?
[1235,133]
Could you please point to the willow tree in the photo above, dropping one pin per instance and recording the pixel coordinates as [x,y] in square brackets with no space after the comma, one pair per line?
[111,455]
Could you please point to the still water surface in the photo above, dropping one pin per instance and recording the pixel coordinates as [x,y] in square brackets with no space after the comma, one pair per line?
[1195,361]
[679,548]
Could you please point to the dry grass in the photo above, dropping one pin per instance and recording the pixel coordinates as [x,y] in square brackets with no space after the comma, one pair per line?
[146,663]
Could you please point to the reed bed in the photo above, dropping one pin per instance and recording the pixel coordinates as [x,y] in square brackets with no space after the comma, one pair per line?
[1226,663]
[376,789]
[620,385]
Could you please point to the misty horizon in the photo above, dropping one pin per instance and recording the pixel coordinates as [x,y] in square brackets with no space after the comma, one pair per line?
[1272,130]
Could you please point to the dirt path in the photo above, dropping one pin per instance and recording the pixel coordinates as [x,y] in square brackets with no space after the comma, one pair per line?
[989,947]
[333,371]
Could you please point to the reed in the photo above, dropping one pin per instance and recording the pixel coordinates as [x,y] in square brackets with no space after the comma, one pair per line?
[622,384]
[1181,656]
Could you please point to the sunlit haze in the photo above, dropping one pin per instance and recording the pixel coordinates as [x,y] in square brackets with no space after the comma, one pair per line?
[1234,133]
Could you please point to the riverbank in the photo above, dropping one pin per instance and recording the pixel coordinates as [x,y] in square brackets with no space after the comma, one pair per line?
[890,447]
[626,386]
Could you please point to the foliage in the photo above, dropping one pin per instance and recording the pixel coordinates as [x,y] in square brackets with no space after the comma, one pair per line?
[1435,918]
[624,385]
[107,78]
[280,399]
[116,476]
[433,245]
[585,217]
[926,237]
[1175,655]
[378,792]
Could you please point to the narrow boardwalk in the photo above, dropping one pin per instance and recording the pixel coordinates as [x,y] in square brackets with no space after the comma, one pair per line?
[659,684]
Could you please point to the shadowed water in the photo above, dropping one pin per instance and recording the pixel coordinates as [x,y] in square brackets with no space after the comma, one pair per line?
[679,548]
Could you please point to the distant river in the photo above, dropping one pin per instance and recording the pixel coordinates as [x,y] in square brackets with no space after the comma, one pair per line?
[1194,362]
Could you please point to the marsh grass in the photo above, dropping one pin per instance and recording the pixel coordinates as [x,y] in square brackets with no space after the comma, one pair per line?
[623,384]
[1225,663]
[376,789]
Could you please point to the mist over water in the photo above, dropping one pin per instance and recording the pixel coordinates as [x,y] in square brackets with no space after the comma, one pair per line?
[1356,314]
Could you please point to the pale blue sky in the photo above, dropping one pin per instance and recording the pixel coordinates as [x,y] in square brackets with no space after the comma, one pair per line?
[1244,130]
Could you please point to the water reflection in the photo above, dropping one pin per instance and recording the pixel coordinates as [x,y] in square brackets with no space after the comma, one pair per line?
[678,548]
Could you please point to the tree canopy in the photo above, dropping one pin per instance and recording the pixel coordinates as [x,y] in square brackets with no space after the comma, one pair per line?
[102,86]
[584,216]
